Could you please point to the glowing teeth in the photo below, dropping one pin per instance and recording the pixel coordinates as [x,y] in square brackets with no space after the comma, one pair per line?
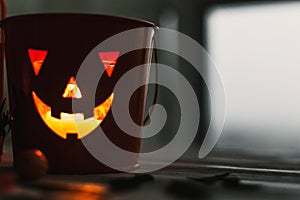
[75,116]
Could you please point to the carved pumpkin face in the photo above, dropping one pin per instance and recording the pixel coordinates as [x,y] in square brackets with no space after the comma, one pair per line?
[72,123]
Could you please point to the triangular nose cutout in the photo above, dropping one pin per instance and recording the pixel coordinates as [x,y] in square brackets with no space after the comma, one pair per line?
[72,90]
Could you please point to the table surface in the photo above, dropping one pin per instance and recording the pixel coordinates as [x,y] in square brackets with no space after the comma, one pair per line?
[181,180]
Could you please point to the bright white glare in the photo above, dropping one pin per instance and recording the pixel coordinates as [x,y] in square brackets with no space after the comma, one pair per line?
[257,51]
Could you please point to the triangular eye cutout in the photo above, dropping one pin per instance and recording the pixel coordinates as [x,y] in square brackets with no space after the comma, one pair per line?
[72,90]
[109,60]
[37,58]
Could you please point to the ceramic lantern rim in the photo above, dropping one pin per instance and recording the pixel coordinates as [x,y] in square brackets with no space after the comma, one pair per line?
[99,17]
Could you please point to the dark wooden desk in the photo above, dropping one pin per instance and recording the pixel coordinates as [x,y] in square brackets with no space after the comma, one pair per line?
[173,182]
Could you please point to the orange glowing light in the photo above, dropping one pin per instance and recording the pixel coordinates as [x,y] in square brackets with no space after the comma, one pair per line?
[38,153]
[72,123]
[37,58]
[109,60]
[72,90]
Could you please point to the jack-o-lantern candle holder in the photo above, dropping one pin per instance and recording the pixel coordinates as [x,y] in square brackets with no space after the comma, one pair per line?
[43,55]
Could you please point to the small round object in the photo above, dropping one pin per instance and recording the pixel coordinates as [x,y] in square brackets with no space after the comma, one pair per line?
[31,164]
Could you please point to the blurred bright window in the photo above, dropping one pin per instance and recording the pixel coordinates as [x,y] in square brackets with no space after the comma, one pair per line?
[257,51]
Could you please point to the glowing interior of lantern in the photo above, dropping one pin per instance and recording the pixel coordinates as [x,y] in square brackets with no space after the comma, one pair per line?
[109,67]
[37,58]
[67,116]
[72,90]
[109,60]
[72,123]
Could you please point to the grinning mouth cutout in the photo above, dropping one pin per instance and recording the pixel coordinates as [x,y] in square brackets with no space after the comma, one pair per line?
[72,123]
